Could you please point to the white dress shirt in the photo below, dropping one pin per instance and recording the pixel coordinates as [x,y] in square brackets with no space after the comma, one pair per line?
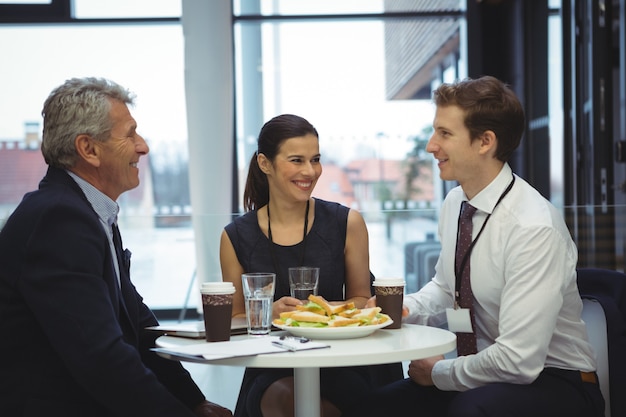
[523,275]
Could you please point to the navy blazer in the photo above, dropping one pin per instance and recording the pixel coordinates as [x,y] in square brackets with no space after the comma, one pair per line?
[67,347]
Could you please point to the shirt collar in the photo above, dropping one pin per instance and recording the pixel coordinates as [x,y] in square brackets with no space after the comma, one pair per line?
[487,198]
[105,208]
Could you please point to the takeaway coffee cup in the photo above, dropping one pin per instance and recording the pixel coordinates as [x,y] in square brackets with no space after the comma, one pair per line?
[217,306]
[303,281]
[389,296]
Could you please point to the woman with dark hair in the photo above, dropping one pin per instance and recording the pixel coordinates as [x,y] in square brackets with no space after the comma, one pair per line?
[285,227]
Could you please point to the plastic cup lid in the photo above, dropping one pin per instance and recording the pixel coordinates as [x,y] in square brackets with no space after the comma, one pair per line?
[217,288]
[388,282]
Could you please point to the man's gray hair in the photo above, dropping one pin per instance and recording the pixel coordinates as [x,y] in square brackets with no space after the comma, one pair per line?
[78,106]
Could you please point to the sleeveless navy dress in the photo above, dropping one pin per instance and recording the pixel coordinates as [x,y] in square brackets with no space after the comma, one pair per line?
[325,245]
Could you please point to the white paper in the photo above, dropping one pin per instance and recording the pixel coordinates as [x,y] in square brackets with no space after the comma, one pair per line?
[246,347]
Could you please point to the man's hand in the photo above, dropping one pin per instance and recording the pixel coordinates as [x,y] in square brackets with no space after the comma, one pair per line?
[209,409]
[420,370]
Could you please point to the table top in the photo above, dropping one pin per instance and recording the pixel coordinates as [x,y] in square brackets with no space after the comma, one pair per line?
[383,346]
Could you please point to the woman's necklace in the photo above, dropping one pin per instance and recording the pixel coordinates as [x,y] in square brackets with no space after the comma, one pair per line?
[269,234]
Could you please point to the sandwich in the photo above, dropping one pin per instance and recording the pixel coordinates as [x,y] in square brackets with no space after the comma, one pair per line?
[300,318]
[330,309]
[309,317]
[320,313]
[371,315]
[340,321]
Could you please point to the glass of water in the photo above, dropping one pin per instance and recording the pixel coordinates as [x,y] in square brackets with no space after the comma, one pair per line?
[258,292]
[303,281]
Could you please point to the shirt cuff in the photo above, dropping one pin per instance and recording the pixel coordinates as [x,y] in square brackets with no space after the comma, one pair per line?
[442,375]
[413,307]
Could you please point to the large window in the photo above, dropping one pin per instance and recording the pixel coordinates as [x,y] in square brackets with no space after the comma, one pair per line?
[555,95]
[146,56]
[361,72]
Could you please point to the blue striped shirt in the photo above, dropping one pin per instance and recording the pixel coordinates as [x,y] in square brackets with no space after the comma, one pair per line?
[105,208]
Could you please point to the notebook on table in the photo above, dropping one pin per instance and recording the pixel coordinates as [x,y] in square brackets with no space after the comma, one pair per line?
[195,330]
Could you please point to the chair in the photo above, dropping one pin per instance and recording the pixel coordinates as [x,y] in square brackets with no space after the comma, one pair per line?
[594,318]
[604,311]
[420,259]
[410,269]
[429,260]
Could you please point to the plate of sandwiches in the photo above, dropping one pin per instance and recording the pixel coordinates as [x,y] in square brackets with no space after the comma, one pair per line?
[319,319]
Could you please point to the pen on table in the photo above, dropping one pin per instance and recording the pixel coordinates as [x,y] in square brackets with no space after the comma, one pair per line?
[284,345]
[297,338]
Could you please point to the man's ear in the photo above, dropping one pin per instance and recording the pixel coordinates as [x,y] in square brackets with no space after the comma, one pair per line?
[87,150]
[488,142]
[264,163]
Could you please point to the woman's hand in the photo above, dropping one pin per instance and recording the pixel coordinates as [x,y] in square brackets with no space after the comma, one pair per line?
[285,304]
[371,302]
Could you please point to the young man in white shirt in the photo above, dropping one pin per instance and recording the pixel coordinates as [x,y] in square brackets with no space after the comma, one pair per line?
[533,357]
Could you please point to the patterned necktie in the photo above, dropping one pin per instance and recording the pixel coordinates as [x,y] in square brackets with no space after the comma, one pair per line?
[466,342]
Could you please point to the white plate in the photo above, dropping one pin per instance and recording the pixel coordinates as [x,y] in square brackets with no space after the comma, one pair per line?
[347,332]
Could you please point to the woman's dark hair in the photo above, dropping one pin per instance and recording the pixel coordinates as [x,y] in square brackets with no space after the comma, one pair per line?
[489,104]
[271,137]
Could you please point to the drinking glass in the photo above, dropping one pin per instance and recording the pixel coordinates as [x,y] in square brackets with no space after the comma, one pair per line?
[303,281]
[258,292]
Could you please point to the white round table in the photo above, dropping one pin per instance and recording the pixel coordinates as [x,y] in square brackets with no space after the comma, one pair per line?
[383,346]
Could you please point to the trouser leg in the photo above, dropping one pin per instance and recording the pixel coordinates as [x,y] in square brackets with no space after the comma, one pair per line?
[555,393]
[403,398]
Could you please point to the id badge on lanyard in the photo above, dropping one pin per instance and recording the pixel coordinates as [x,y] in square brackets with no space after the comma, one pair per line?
[459,320]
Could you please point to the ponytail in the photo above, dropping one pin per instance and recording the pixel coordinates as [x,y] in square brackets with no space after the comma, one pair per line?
[257,190]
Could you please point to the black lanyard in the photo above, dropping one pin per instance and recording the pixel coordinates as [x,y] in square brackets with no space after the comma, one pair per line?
[269,234]
[458,271]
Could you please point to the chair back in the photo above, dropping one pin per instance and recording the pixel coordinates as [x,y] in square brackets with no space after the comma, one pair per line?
[607,331]
[419,266]
[594,318]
